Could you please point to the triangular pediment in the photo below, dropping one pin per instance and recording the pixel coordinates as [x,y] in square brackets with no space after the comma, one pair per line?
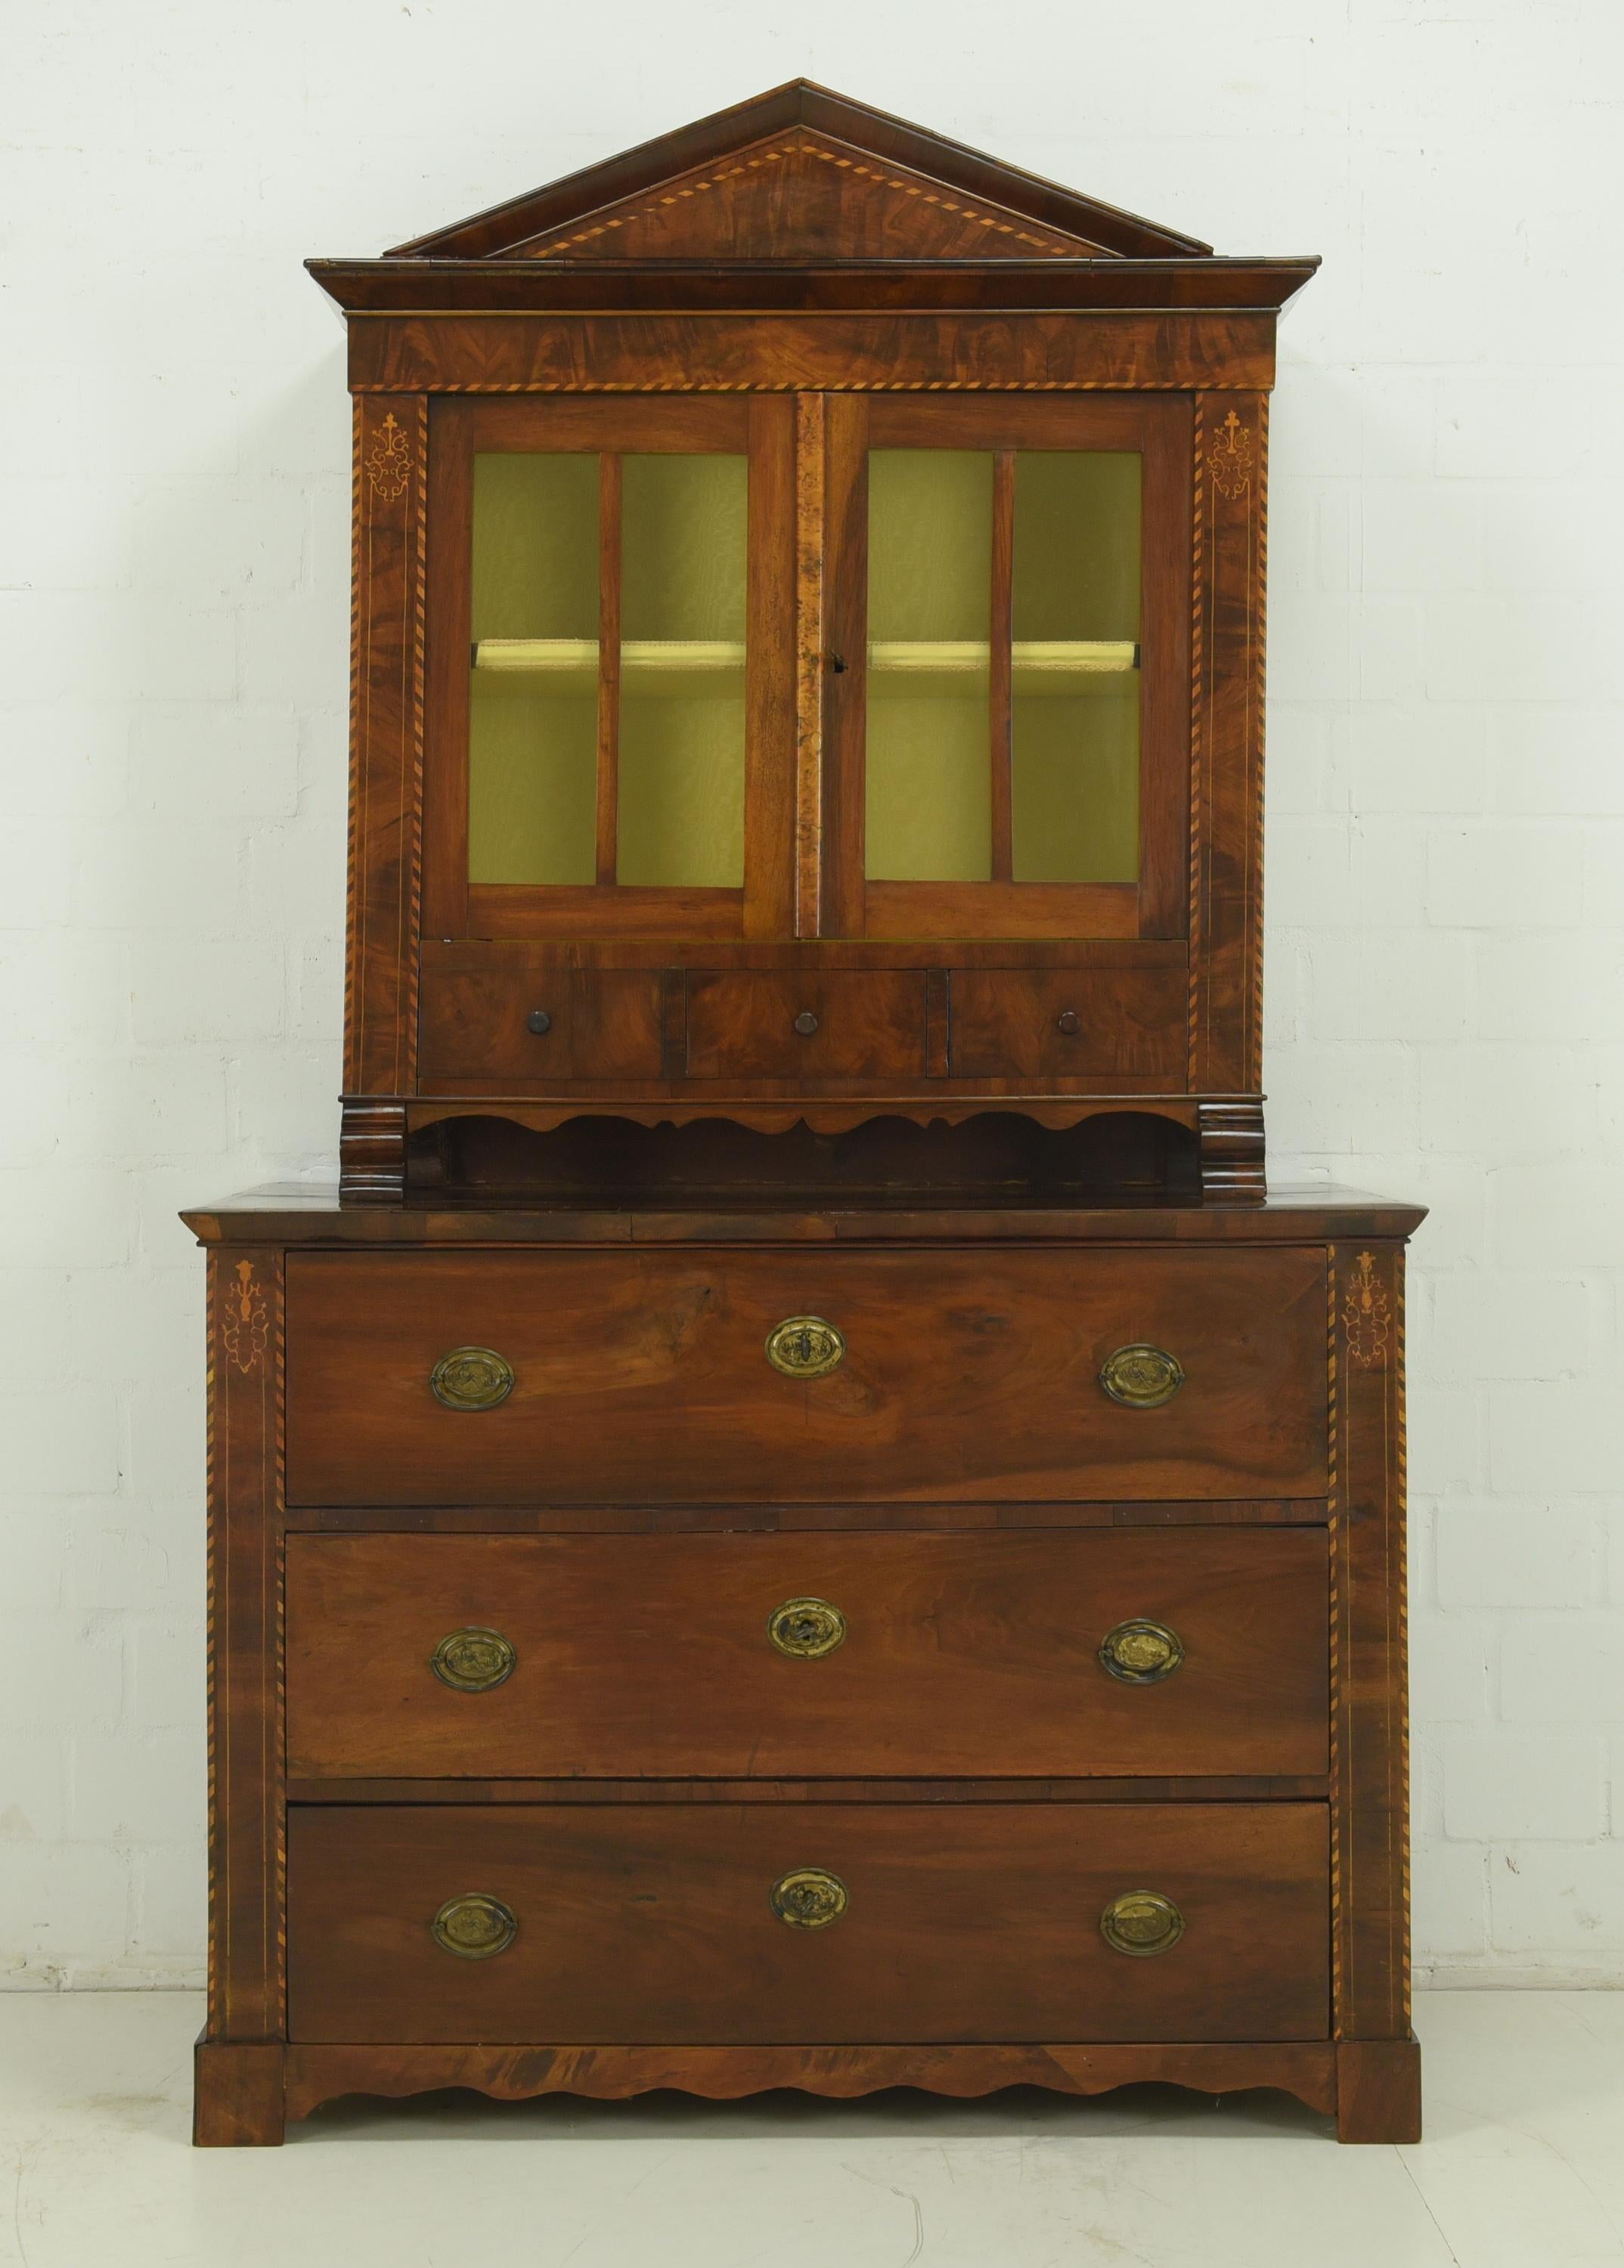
[801,175]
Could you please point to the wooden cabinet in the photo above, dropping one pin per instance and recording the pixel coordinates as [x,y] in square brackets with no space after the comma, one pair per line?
[802,1519]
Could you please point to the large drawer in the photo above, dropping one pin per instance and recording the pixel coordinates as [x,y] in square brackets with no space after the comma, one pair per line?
[639,1376]
[808,1654]
[657,1923]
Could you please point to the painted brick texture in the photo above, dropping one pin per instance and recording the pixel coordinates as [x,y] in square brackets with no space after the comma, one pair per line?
[1446,788]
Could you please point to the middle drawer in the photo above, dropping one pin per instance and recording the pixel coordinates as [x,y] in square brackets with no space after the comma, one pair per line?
[1072,1653]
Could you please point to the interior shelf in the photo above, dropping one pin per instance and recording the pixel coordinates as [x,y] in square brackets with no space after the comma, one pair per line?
[1039,665]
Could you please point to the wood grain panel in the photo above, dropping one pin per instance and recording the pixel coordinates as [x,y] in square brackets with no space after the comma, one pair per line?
[868,1024]
[1306,2069]
[1006,1023]
[604,1023]
[641,1376]
[656,352]
[654,1925]
[968,1653]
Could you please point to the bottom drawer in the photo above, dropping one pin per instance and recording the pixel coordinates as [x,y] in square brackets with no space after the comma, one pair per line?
[592,1925]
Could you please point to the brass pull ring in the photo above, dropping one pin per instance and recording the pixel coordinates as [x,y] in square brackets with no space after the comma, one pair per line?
[1141,1652]
[1141,1922]
[474,1660]
[805,1346]
[808,1897]
[471,1378]
[474,1927]
[1142,1377]
[806,1628]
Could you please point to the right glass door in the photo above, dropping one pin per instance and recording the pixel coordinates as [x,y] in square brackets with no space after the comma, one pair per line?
[1021,703]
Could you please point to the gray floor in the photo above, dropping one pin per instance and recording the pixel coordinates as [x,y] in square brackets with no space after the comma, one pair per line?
[1524,2165]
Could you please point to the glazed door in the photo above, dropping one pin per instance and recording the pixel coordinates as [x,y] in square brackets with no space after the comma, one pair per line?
[1006,695]
[609,728]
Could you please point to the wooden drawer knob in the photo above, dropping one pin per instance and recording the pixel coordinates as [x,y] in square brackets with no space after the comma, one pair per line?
[474,1927]
[1069,1022]
[809,1898]
[471,1378]
[1141,1653]
[805,1023]
[1142,1377]
[474,1660]
[538,1021]
[805,1346]
[806,1628]
[1141,1922]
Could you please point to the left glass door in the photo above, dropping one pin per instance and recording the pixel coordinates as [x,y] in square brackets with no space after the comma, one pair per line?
[607,709]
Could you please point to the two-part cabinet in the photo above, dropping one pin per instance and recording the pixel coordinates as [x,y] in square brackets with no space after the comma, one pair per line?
[801,1518]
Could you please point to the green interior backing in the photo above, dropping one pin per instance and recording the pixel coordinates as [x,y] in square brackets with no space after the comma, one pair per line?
[1074,757]
[929,781]
[533,747]
[1076,741]
[684,574]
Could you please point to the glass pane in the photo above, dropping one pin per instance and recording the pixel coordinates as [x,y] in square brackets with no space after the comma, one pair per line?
[930,580]
[1074,720]
[533,710]
[683,579]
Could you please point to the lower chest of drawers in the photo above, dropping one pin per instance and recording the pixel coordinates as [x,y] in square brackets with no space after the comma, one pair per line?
[983,1686]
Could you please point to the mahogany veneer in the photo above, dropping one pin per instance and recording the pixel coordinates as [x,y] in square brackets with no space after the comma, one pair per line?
[805,1521]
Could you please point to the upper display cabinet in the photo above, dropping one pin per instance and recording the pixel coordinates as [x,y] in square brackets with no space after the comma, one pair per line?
[807,655]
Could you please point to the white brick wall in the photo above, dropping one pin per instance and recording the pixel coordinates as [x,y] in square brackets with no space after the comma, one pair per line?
[1446,836]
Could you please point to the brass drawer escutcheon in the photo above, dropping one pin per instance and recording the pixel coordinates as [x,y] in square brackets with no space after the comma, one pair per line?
[474,1927]
[1142,1377]
[808,1897]
[471,1378]
[474,1660]
[805,1346]
[1141,1652]
[806,1628]
[1141,1922]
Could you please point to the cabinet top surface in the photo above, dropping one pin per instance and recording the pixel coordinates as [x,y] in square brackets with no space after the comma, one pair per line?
[803,198]
[307,1213]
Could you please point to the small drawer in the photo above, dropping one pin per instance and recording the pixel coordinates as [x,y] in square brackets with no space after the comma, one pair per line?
[1075,1653]
[823,1024]
[697,1923]
[1125,1024]
[505,1020]
[671,1376]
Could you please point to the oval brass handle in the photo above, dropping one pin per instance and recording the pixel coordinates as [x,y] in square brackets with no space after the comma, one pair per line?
[1141,1652]
[471,1378]
[1142,1377]
[808,1897]
[474,1660]
[806,1628]
[538,1021]
[474,1927]
[1069,1022]
[805,1346]
[1141,1922]
[805,1023]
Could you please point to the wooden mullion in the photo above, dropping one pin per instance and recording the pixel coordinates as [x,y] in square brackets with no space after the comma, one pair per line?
[1001,670]
[608,666]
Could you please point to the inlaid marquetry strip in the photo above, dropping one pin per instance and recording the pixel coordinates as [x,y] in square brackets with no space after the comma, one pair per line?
[388,617]
[760,160]
[247,1939]
[1370,1750]
[1227,746]
[811,480]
